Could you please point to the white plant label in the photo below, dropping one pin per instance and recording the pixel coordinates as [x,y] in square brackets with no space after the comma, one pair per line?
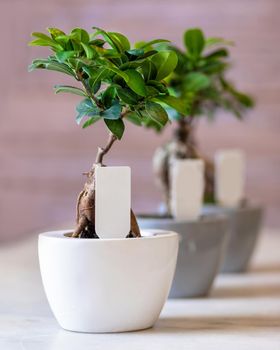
[229,177]
[187,188]
[112,201]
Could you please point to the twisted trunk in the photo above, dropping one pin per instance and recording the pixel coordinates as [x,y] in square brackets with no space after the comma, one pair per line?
[85,218]
[182,146]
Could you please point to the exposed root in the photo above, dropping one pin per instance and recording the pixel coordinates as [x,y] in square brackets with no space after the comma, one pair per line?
[78,204]
[80,226]
[85,227]
[134,228]
[89,231]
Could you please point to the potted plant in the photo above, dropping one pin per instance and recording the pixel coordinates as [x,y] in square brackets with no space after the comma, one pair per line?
[244,217]
[200,83]
[94,284]
[200,80]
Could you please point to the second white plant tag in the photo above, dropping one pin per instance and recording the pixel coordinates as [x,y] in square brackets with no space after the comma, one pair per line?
[112,201]
[187,188]
[229,177]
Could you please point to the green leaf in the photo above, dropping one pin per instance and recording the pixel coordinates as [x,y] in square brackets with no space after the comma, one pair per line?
[108,96]
[196,81]
[148,122]
[118,72]
[156,112]
[159,86]
[120,40]
[135,52]
[39,63]
[136,82]
[55,32]
[151,91]
[42,42]
[113,54]
[91,71]
[86,108]
[214,67]
[183,60]
[143,45]
[217,54]
[243,99]
[90,121]
[62,56]
[194,42]
[69,89]
[217,41]
[64,40]
[174,102]
[113,112]
[80,35]
[51,65]
[99,75]
[134,118]
[149,70]
[42,36]
[116,127]
[148,54]
[96,87]
[127,96]
[97,42]
[246,100]
[173,114]
[165,62]
[88,50]
[132,64]
[107,37]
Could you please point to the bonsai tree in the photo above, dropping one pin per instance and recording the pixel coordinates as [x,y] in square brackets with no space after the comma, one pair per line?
[117,83]
[200,82]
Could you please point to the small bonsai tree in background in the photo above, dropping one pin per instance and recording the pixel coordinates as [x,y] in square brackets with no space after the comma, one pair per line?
[200,82]
[117,83]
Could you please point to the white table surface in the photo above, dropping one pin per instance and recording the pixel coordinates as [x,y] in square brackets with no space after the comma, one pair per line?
[242,312]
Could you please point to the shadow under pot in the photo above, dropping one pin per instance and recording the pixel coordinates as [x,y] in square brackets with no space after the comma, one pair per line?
[244,227]
[201,249]
[107,285]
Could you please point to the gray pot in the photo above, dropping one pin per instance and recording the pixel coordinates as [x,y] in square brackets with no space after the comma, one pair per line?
[201,249]
[244,228]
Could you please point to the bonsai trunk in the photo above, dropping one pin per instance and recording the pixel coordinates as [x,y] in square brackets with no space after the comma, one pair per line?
[182,146]
[85,219]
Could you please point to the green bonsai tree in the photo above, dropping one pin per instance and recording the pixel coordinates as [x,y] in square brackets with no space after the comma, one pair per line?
[117,83]
[200,82]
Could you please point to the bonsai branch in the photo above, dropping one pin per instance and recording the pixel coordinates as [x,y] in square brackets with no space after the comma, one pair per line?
[88,91]
[112,138]
[102,151]
[85,221]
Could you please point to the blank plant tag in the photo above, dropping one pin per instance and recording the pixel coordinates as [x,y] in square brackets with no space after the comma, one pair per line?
[112,202]
[229,177]
[187,188]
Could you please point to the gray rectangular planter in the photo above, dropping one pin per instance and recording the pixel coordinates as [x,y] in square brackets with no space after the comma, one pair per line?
[201,249]
[244,227]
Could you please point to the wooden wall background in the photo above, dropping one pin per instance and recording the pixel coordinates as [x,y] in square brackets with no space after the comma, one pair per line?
[43,152]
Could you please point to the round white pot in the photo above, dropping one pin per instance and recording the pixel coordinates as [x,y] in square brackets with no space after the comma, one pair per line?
[201,250]
[107,285]
[244,227]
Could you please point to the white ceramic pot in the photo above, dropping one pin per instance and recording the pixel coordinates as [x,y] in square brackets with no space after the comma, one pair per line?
[107,285]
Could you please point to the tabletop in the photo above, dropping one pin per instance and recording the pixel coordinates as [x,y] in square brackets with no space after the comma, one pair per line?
[242,311]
